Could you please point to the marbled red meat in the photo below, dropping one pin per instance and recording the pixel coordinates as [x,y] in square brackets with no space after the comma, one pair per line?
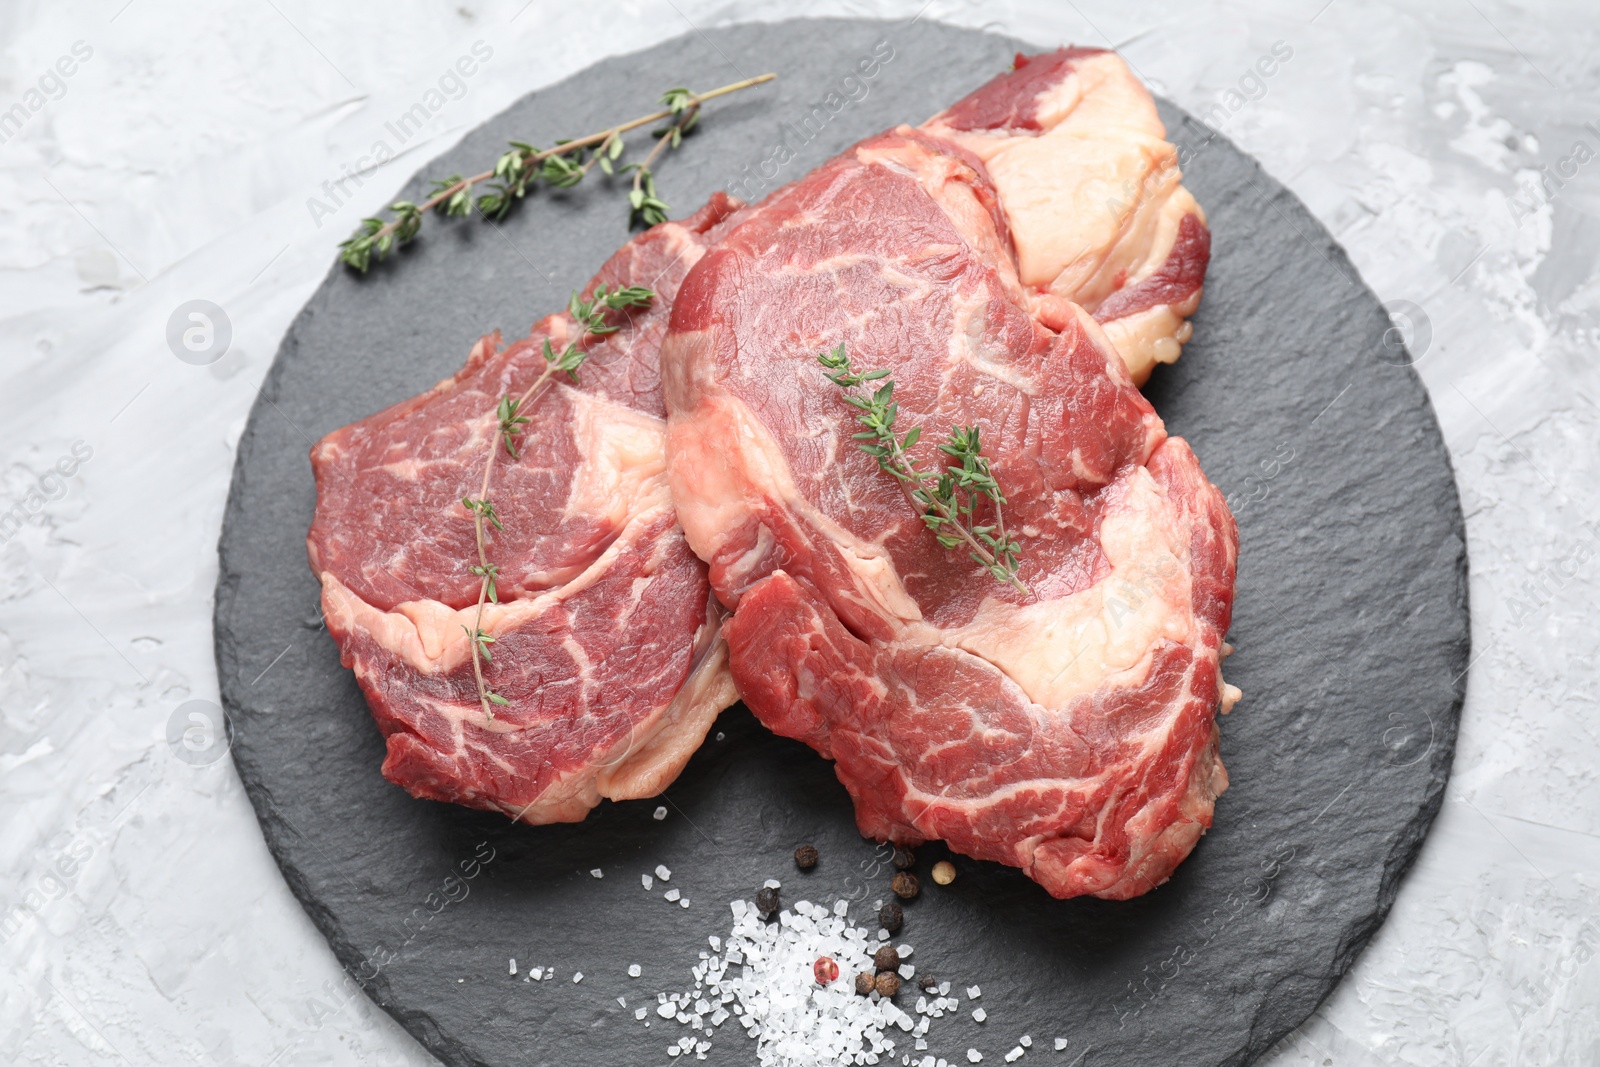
[1093,197]
[1069,731]
[607,639]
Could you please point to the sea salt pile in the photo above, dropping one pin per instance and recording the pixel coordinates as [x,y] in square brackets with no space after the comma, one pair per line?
[762,975]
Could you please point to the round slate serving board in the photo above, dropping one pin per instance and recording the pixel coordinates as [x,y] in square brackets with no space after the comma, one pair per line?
[1351,634]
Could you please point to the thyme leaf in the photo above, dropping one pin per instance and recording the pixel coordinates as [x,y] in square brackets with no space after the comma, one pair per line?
[948,501]
[593,317]
[523,167]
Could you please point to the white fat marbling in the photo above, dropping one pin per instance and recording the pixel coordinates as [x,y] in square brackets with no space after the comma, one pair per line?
[178,162]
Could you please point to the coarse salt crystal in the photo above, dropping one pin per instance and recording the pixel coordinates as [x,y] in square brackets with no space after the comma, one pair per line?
[537,973]
[577,978]
[623,1001]
[596,872]
[1061,1044]
[1015,1054]
[907,970]
[974,992]
[640,1013]
[663,873]
[671,894]
[979,1015]
[684,903]
[634,970]
[513,965]
[1025,1041]
[661,813]
[762,973]
[973,1055]
[647,881]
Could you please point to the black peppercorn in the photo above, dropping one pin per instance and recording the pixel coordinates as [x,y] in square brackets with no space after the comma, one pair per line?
[865,983]
[904,859]
[767,902]
[805,857]
[890,917]
[928,983]
[905,885]
[886,958]
[887,984]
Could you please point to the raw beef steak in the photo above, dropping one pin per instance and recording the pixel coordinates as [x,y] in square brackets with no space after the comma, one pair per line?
[1093,197]
[607,640]
[1069,731]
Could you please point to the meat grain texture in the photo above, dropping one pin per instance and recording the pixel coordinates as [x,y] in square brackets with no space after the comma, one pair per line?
[996,260]
[1020,262]
[607,644]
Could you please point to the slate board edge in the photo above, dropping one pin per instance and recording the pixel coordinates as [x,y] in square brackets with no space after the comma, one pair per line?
[273,826]
[1406,846]
[1264,1033]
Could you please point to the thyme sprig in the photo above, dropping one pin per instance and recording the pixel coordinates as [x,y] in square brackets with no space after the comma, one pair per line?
[947,500]
[646,205]
[594,320]
[523,166]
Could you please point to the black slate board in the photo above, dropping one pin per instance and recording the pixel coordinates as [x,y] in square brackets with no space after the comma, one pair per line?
[1351,628]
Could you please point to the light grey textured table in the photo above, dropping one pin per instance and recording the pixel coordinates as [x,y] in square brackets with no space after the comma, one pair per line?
[141,919]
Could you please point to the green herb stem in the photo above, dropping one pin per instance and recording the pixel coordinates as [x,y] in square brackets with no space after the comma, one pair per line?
[519,168]
[946,500]
[592,318]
